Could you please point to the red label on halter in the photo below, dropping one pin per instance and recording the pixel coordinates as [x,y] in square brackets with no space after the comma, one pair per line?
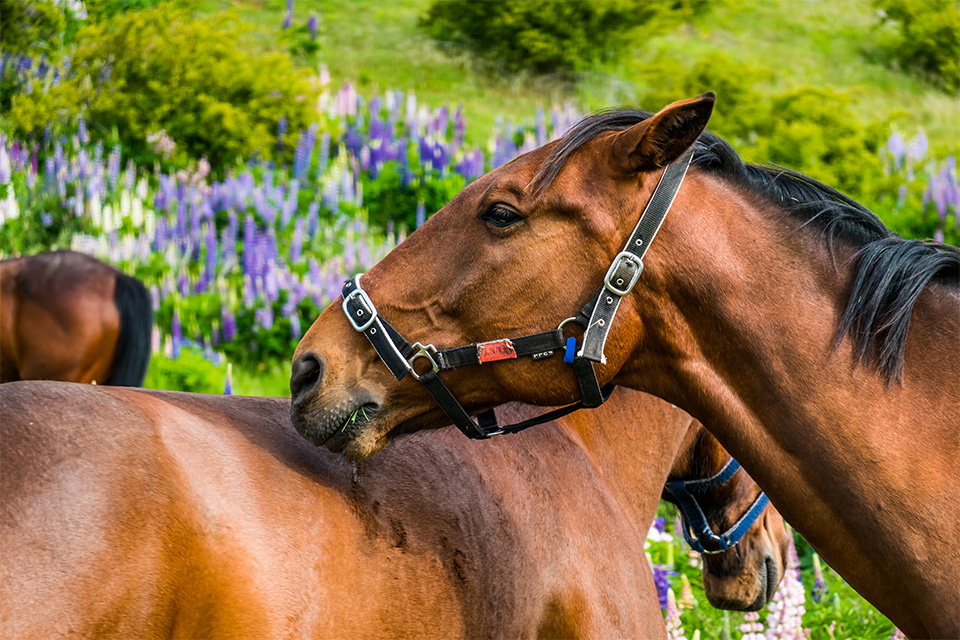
[497,350]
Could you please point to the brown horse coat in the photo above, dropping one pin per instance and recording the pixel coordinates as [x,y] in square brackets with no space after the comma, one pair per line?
[159,514]
[820,348]
[67,316]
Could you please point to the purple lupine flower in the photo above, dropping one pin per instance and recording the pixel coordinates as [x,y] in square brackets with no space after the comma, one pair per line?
[917,146]
[264,316]
[661,578]
[659,524]
[176,335]
[313,219]
[113,166]
[296,243]
[295,332]
[312,26]
[287,20]
[249,235]
[897,148]
[819,586]
[331,196]
[228,383]
[281,130]
[229,323]
[6,171]
[421,214]
[324,152]
[82,130]
[183,285]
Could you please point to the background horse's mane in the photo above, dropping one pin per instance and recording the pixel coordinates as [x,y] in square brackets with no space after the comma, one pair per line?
[890,272]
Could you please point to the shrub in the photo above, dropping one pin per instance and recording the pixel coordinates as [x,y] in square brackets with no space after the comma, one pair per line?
[808,129]
[31,28]
[189,372]
[927,38]
[817,132]
[156,70]
[543,37]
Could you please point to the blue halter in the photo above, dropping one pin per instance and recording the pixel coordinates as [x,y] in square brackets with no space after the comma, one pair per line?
[695,526]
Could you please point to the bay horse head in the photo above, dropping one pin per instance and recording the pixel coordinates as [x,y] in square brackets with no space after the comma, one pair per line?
[744,561]
[515,252]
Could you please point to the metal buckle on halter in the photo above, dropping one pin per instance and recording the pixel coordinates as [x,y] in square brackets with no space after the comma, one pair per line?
[623,273]
[367,302]
[423,351]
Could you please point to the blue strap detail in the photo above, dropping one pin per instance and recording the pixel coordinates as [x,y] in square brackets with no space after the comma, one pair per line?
[570,350]
[696,529]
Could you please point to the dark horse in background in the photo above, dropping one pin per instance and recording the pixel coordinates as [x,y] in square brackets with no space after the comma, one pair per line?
[818,347]
[146,514]
[67,316]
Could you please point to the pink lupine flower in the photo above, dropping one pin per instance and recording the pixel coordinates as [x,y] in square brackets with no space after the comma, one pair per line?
[785,620]
[674,626]
[751,628]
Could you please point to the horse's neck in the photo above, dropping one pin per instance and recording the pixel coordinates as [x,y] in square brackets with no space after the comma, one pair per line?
[748,314]
[632,441]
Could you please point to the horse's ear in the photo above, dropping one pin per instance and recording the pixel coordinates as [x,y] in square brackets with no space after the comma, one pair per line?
[662,138]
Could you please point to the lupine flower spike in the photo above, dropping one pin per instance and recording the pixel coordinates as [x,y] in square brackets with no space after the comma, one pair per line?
[785,620]
[674,625]
[819,586]
[687,600]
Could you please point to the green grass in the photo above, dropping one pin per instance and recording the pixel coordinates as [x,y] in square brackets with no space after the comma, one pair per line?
[191,372]
[378,45]
[826,44]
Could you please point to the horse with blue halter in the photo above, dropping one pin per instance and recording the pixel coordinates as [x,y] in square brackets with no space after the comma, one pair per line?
[145,514]
[67,316]
[820,348]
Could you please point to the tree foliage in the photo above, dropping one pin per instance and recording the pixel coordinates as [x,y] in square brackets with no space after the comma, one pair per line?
[543,36]
[927,38]
[161,69]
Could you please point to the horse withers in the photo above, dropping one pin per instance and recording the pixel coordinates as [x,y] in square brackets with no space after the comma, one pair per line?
[67,316]
[819,347]
[131,513]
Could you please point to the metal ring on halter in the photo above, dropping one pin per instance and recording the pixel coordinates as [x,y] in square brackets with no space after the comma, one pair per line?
[423,351]
[570,319]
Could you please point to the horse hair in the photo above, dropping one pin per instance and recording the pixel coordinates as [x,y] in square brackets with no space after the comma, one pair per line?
[890,272]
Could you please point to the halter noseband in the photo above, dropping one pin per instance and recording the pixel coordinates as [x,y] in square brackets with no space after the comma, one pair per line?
[596,317]
[696,529]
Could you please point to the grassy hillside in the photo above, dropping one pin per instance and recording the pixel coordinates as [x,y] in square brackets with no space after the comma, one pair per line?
[790,43]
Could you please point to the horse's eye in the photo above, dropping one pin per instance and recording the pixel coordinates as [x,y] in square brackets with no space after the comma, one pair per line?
[500,216]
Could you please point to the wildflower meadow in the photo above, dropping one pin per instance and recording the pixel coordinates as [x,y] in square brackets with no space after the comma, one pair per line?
[240,254]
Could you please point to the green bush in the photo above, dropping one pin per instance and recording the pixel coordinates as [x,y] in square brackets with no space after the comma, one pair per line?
[31,28]
[808,129]
[387,198]
[190,372]
[927,37]
[817,131]
[160,69]
[543,37]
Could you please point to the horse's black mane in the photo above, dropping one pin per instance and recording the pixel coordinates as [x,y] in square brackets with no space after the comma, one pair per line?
[890,271]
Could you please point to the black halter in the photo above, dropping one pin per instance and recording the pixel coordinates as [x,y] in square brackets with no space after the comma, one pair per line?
[696,529]
[596,318]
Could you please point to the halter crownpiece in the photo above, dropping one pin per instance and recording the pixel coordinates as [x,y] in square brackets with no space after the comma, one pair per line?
[596,317]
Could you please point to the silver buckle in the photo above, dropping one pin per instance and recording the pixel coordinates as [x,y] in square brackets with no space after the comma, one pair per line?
[619,288]
[423,351]
[358,292]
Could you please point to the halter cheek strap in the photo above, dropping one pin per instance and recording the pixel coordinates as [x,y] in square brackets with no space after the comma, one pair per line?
[696,529]
[596,317]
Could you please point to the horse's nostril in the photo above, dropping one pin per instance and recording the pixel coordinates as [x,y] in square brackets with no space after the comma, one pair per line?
[305,375]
